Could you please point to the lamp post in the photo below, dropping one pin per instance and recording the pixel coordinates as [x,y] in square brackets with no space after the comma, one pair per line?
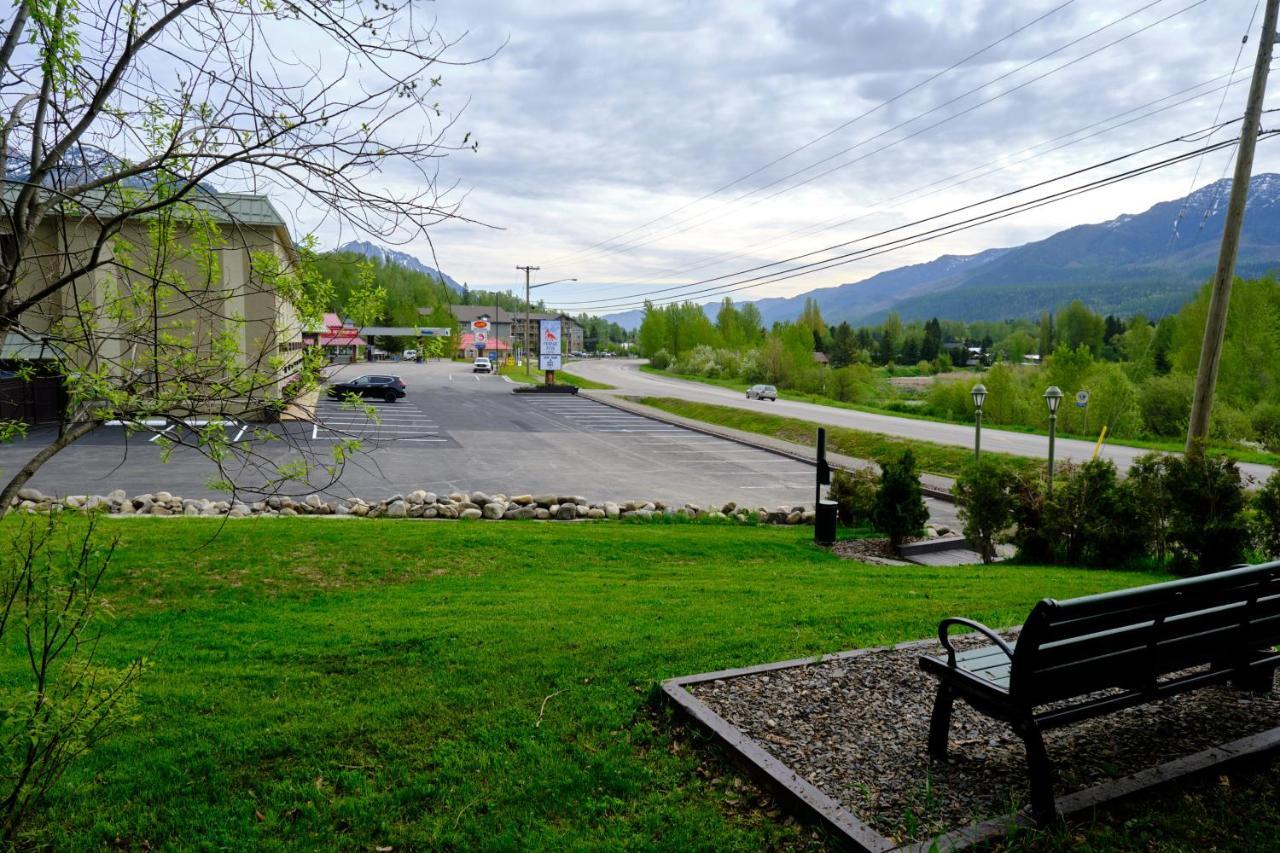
[979,393]
[528,287]
[1052,399]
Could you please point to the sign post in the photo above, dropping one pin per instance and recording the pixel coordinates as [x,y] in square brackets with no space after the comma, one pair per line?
[549,348]
[1082,402]
[480,335]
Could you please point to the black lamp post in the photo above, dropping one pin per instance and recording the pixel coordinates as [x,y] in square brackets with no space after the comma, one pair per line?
[1052,399]
[979,393]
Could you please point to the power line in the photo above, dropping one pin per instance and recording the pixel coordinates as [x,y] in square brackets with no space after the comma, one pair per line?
[701,219]
[941,231]
[829,133]
[959,178]
[972,205]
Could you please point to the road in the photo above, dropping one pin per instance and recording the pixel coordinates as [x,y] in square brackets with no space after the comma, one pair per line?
[625,375]
[455,431]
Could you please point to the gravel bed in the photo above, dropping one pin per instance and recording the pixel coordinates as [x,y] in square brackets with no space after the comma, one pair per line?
[856,729]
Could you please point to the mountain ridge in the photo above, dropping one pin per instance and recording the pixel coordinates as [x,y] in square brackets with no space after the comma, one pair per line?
[402,259]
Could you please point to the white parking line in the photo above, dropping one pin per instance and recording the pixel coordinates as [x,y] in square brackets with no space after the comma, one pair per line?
[160,433]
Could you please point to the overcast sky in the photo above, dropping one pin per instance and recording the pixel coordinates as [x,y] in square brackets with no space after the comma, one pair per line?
[596,118]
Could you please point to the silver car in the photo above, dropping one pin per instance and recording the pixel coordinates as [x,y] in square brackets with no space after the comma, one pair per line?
[762,392]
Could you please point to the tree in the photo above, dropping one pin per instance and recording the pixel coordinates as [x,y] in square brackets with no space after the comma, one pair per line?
[811,316]
[987,492]
[121,121]
[899,510]
[1046,334]
[1078,326]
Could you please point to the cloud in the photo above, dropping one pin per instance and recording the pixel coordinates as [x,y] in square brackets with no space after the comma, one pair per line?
[598,117]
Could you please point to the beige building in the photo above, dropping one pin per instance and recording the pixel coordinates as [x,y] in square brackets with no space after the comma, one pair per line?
[206,292]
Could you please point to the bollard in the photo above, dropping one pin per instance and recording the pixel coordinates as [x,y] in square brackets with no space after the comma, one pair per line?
[824,523]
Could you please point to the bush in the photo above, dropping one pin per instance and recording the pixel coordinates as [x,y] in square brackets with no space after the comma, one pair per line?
[987,493]
[699,361]
[1266,425]
[1095,521]
[951,400]
[1266,518]
[1148,486]
[660,360]
[899,510]
[1230,424]
[855,495]
[1208,530]
[1032,536]
[1164,402]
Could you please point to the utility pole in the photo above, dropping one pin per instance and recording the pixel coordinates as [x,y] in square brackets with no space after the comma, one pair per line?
[527,272]
[1215,326]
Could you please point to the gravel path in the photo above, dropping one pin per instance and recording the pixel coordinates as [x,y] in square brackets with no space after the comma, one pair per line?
[856,729]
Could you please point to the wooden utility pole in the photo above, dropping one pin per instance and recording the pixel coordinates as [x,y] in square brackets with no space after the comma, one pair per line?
[1215,326]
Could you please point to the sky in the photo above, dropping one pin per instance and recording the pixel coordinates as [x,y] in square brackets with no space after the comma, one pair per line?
[594,119]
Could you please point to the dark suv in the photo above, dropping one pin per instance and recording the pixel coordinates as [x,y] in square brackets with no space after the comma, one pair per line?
[389,388]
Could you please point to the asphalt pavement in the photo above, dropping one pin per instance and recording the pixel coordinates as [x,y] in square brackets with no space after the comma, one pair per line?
[455,431]
[627,379]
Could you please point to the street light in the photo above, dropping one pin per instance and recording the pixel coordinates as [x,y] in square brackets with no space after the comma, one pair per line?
[1052,399]
[528,287]
[979,393]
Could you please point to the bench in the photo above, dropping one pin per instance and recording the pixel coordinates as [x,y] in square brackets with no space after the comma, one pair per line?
[1087,657]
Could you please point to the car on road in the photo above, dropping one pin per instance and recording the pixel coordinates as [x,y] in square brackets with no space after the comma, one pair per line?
[762,392]
[410,355]
[375,385]
[482,365]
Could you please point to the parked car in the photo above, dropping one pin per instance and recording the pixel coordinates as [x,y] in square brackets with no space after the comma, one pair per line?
[762,392]
[411,355]
[377,386]
[482,365]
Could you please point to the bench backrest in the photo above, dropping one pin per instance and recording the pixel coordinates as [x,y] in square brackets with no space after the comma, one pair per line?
[1134,639]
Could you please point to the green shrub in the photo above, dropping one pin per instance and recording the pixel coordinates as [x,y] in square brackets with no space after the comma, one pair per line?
[1148,486]
[660,359]
[1164,402]
[899,510]
[987,493]
[1096,522]
[1032,536]
[951,400]
[1266,518]
[855,495]
[1208,530]
[1230,424]
[1266,425]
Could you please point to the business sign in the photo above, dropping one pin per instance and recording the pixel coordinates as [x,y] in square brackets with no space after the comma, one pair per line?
[479,325]
[434,331]
[549,337]
[1082,399]
[481,338]
[549,362]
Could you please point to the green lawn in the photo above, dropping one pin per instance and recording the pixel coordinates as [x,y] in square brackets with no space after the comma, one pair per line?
[942,459]
[325,684]
[563,377]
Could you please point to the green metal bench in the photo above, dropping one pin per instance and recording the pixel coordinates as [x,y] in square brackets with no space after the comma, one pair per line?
[1087,657]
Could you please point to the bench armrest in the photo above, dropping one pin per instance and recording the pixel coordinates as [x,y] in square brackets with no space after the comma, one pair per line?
[944,636]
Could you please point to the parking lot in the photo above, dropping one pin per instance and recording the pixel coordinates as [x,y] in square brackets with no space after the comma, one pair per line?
[454,431]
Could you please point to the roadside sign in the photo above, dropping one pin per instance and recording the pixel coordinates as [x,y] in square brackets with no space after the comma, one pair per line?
[549,362]
[1082,399]
[549,337]
[481,338]
[434,331]
[479,325]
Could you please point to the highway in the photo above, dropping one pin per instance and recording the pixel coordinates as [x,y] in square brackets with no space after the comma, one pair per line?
[627,378]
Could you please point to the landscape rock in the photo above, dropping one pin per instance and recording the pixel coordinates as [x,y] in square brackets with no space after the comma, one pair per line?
[470,512]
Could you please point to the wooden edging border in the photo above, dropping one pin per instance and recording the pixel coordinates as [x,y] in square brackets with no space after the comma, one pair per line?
[849,832]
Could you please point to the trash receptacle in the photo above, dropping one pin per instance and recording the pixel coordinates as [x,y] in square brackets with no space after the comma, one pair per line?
[824,523]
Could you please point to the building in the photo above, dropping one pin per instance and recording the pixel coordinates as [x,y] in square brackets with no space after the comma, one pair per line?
[340,340]
[570,332]
[214,300]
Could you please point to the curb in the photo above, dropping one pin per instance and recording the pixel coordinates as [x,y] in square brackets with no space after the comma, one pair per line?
[935,487]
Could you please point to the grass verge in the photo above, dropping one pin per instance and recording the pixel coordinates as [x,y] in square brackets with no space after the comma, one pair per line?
[933,458]
[563,377]
[1240,454]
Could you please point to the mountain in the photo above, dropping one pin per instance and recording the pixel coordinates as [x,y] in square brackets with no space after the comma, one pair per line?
[401,259]
[1135,263]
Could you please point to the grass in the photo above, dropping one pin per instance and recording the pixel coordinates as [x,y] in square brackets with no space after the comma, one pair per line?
[325,684]
[1168,445]
[940,459]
